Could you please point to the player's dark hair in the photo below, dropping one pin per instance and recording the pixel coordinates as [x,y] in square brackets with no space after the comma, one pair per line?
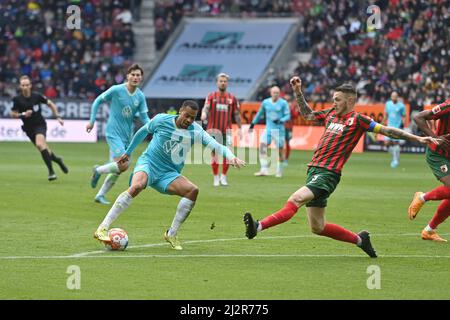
[134,67]
[191,104]
[346,88]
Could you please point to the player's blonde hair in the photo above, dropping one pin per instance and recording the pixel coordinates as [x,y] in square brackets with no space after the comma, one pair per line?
[222,74]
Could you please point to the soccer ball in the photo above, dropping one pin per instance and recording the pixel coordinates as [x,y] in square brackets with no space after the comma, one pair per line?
[119,239]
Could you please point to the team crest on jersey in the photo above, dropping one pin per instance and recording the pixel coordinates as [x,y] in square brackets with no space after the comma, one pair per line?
[436,109]
[350,122]
[126,112]
[36,108]
[444,168]
[171,146]
[135,103]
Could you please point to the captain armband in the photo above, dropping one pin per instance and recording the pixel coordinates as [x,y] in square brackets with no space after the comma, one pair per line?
[374,127]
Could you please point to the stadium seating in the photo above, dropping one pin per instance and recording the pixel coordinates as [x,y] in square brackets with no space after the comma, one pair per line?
[62,62]
[409,53]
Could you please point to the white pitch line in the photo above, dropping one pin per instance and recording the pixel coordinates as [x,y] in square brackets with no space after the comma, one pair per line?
[171,256]
[152,245]
[87,254]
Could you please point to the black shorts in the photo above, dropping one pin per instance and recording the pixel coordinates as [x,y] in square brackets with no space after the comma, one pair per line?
[33,131]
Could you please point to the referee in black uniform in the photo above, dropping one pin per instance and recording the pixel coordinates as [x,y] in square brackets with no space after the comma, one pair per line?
[27,106]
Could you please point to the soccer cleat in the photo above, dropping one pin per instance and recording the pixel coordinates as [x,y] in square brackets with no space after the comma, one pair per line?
[102,235]
[216,182]
[432,235]
[95,177]
[52,177]
[62,165]
[101,199]
[223,180]
[415,205]
[366,245]
[261,173]
[278,175]
[173,240]
[251,226]
[394,164]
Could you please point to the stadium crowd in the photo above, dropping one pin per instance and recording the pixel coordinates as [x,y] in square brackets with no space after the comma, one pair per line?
[62,62]
[410,53]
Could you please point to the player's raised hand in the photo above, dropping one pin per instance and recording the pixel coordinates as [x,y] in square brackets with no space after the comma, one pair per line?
[89,127]
[237,163]
[296,84]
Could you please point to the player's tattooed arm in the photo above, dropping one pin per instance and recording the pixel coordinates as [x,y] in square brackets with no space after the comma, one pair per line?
[401,134]
[304,109]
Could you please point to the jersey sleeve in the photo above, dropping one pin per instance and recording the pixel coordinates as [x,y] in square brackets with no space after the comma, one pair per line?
[321,115]
[108,94]
[143,110]
[365,122]
[43,98]
[440,110]
[15,106]
[403,110]
[207,101]
[211,143]
[153,123]
[286,112]
[260,113]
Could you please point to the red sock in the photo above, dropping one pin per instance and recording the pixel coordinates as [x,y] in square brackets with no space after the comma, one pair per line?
[441,214]
[214,165]
[225,166]
[283,215]
[288,151]
[338,233]
[438,193]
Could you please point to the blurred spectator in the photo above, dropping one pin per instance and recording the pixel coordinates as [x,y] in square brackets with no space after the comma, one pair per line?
[35,41]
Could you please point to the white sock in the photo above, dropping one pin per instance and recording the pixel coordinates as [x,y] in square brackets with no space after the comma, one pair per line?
[396,153]
[279,167]
[358,243]
[259,228]
[264,164]
[123,201]
[111,167]
[183,210]
[107,184]
[428,228]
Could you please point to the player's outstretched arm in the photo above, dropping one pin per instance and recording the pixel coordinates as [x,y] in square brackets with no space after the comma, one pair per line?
[218,148]
[396,133]
[305,110]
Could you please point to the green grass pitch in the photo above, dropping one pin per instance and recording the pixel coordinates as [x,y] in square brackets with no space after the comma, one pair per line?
[47,227]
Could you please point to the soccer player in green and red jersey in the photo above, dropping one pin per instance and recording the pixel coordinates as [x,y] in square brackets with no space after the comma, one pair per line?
[219,110]
[343,129]
[438,158]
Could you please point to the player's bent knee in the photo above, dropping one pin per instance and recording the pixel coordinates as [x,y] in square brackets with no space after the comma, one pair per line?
[193,193]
